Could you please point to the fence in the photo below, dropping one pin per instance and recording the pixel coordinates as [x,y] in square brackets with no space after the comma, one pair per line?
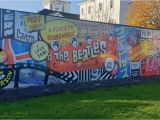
[39,50]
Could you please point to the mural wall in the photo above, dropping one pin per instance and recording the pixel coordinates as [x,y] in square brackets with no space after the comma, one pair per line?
[41,50]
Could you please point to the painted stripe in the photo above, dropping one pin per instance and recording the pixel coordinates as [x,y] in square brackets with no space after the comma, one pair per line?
[69,74]
[22,53]
[74,76]
[102,77]
[107,76]
[23,56]
[8,48]
[84,77]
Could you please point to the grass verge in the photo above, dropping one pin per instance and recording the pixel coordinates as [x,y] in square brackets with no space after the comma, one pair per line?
[133,101]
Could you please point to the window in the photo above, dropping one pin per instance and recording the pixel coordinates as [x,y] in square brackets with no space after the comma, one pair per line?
[82,11]
[100,6]
[111,3]
[89,9]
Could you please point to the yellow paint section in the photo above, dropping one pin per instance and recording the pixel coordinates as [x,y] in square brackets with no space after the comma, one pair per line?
[145,47]
[60,30]
[34,22]
[105,55]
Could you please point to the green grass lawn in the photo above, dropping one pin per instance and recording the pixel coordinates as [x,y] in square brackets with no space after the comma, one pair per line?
[134,101]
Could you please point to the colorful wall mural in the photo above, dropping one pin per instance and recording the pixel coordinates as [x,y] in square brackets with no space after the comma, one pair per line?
[41,50]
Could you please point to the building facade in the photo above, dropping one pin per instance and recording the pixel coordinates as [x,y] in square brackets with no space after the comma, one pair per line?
[109,11]
[57,5]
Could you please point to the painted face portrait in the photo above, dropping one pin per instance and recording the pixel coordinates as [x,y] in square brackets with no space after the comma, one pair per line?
[74,42]
[109,64]
[88,39]
[3,56]
[133,37]
[55,45]
[95,74]
[111,36]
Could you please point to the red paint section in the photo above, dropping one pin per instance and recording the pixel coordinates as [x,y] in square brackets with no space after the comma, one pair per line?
[151,67]
[21,57]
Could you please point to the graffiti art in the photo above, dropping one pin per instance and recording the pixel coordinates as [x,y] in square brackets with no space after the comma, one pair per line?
[6,76]
[44,50]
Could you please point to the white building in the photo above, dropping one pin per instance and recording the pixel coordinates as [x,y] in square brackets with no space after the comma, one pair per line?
[57,5]
[109,11]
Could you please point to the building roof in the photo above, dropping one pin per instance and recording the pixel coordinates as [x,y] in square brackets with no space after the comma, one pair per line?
[57,1]
[86,1]
[61,1]
[59,14]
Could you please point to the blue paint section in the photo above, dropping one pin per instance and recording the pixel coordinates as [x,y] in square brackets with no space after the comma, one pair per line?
[0,23]
[31,77]
[122,46]
[20,47]
[0,43]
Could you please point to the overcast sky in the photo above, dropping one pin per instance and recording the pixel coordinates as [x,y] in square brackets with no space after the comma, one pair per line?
[33,5]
